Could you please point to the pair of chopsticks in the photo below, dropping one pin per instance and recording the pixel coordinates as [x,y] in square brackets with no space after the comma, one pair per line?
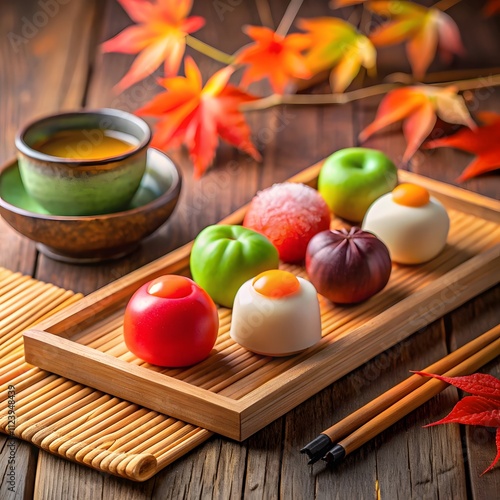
[338,441]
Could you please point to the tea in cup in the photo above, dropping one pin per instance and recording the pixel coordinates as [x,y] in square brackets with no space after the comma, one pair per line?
[84,162]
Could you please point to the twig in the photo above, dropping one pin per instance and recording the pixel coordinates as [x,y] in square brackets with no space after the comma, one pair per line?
[442,76]
[289,17]
[445,4]
[365,20]
[355,95]
[265,15]
[305,99]
[475,83]
[208,50]
[355,17]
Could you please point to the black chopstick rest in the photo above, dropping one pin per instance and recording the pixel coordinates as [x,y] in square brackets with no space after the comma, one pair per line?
[317,448]
[335,455]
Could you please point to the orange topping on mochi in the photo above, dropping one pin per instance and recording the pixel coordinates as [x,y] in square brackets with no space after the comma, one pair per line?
[276,284]
[410,195]
[170,287]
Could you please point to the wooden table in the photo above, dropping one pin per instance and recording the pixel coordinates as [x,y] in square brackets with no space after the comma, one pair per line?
[50,61]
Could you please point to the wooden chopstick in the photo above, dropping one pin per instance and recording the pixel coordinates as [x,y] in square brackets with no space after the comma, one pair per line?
[388,408]
[410,402]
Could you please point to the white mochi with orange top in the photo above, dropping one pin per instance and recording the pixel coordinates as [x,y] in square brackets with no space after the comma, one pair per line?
[413,225]
[276,314]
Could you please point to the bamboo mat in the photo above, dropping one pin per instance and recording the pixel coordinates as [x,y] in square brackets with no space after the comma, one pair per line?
[71,420]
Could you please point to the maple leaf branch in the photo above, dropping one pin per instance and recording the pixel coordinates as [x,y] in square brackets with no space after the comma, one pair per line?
[355,95]
[208,50]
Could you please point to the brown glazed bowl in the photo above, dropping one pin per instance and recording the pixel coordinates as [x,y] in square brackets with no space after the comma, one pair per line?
[93,238]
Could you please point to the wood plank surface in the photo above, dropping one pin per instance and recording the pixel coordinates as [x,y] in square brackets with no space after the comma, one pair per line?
[44,70]
[57,65]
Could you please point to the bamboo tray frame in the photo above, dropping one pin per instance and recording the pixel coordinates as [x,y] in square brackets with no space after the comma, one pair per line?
[283,383]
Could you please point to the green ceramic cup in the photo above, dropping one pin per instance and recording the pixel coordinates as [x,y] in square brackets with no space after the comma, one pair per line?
[76,186]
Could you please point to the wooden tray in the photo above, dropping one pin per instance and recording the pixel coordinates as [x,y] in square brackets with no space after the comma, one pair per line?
[235,392]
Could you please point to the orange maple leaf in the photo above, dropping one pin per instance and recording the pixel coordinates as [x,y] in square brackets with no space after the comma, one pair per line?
[491,8]
[196,116]
[423,29]
[418,106]
[484,142]
[277,57]
[336,4]
[337,43]
[160,37]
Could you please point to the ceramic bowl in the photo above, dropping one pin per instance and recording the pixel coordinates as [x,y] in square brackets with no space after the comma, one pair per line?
[81,239]
[76,185]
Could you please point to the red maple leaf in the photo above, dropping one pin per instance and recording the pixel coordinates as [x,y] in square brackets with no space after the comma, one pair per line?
[196,115]
[473,410]
[481,409]
[483,142]
[273,56]
[479,384]
[160,37]
[491,7]
[418,107]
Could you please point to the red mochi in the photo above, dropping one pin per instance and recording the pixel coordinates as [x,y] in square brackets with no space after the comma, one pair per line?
[289,214]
